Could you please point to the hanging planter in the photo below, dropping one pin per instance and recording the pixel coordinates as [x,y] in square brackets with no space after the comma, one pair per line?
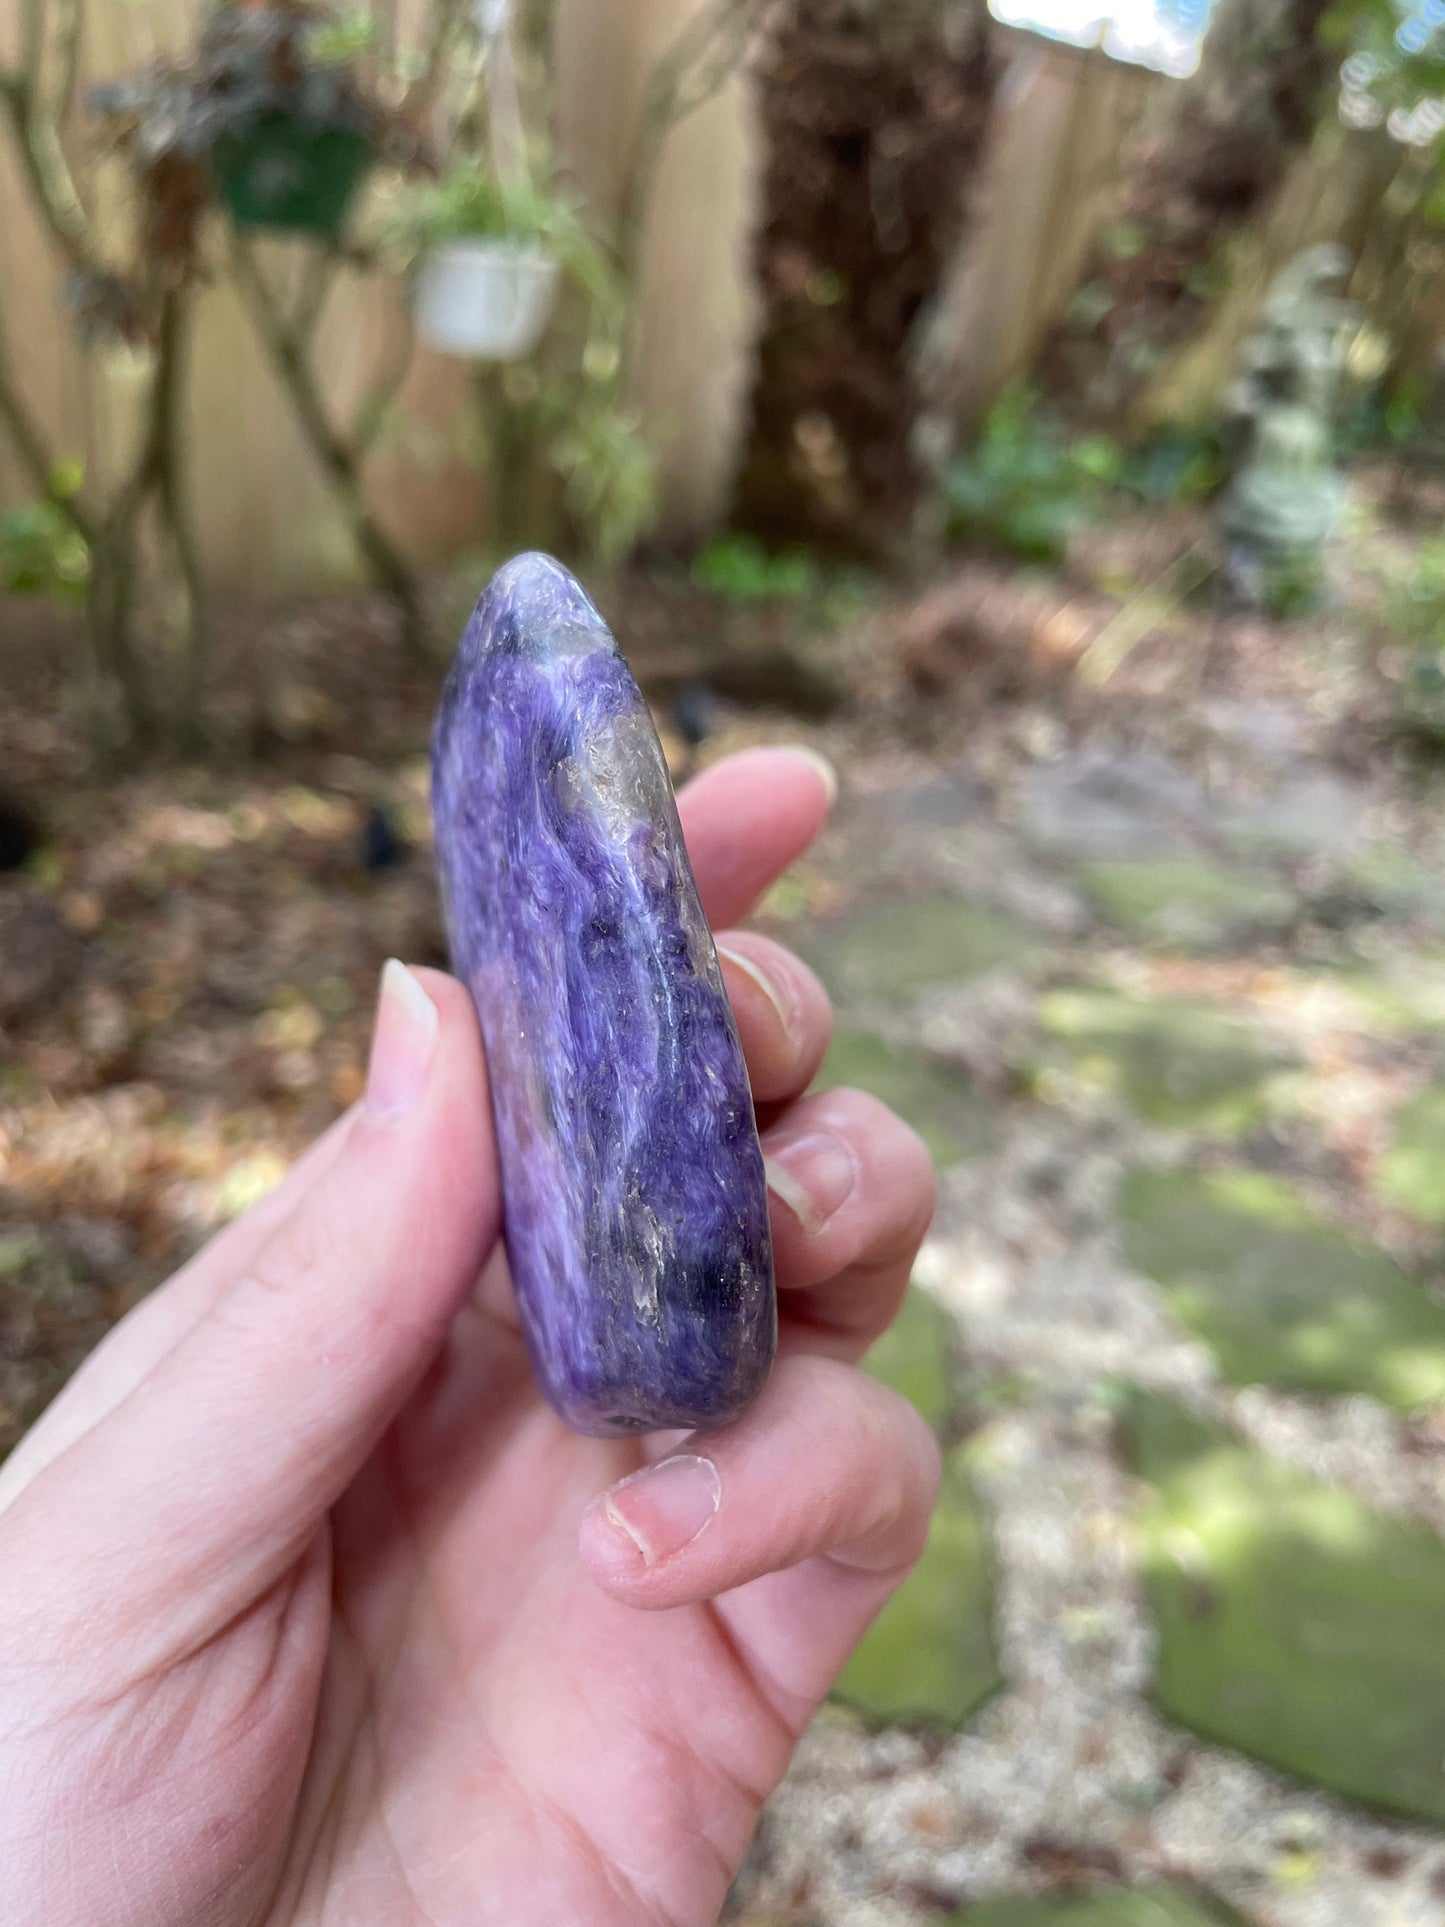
[488,251]
[487,298]
[284,172]
[289,132]
[266,116]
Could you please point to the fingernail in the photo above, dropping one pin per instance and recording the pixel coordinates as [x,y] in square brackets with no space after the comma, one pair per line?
[757,975]
[821,764]
[665,1507]
[401,1044]
[813,1175]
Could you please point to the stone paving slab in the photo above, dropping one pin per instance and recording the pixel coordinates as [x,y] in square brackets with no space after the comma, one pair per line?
[948,1113]
[1213,1655]
[1278,1296]
[895,950]
[1162,1906]
[1411,1174]
[1293,1623]
[1188,902]
[916,1356]
[930,1657]
[1173,1061]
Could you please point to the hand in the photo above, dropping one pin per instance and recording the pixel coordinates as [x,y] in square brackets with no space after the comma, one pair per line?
[310,1609]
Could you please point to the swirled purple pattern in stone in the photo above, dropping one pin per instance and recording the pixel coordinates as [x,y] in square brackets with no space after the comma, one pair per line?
[635,1199]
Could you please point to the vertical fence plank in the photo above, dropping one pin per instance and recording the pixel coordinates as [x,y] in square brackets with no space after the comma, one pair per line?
[696,320]
[1048,177]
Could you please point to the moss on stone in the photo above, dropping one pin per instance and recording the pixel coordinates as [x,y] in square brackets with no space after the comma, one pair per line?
[1186,901]
[1177,1063]
[929,1656]
[1278,1296]
[942,1106]
[1153,1906]
[1294,1623]
[1411,1174]
[914,1355]
[899,949]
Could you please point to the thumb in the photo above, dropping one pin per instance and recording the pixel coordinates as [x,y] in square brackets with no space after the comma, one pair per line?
[208,1479]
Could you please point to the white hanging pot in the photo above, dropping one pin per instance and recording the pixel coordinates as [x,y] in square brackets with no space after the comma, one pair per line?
[486,299]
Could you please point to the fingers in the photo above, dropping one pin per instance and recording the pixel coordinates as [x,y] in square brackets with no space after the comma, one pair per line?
[747,818]
[852,1191]
[783,1015]
[827,1464]
[234,1445]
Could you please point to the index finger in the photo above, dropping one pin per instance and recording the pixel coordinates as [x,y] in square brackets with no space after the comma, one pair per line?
[747,818]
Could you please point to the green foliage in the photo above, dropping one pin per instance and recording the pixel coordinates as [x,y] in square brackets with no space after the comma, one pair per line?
[1379,419]
[740,569]
[570,466]
[563,415]
[344,36]
[470,202]
[609,479]
[1025,485]
[1175,465]
[1414,613]
[1394,72]
[41,552]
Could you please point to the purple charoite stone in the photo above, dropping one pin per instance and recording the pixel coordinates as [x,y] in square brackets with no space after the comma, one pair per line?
[636,1205]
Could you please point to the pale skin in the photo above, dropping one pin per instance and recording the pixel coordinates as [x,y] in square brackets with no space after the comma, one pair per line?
[312,1614]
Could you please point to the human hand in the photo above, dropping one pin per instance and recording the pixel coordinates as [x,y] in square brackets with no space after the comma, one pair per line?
[310,1609]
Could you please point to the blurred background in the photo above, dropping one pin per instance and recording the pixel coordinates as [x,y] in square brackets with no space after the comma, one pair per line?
[1042,412]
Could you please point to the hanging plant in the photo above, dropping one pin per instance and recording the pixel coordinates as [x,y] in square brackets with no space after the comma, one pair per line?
[489,255]
[265,117]
[150,118]
[293,134]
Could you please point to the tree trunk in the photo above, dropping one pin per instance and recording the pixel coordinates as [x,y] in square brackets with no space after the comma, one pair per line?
[1203,168]
[175,508]
[874,120]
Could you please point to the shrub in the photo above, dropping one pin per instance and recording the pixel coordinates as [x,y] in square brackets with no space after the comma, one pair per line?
[740,569]
[1025,485]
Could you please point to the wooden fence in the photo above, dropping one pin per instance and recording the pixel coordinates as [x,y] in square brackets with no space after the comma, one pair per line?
[265,520]
[263,513]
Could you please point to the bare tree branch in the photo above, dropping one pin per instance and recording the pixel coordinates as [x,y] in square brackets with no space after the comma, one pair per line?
[47,172]
[316,280]
[421,96]
[375,405]
[69,25]
[168,480]
[34,115]
[340,460]
[32,43]
[29,443]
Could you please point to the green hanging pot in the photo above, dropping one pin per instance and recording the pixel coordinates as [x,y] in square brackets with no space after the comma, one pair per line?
[284,172]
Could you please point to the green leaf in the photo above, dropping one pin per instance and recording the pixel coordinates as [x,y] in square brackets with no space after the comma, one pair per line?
[67,477]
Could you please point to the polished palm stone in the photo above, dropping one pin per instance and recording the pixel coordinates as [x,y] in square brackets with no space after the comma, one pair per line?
[635,1200]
